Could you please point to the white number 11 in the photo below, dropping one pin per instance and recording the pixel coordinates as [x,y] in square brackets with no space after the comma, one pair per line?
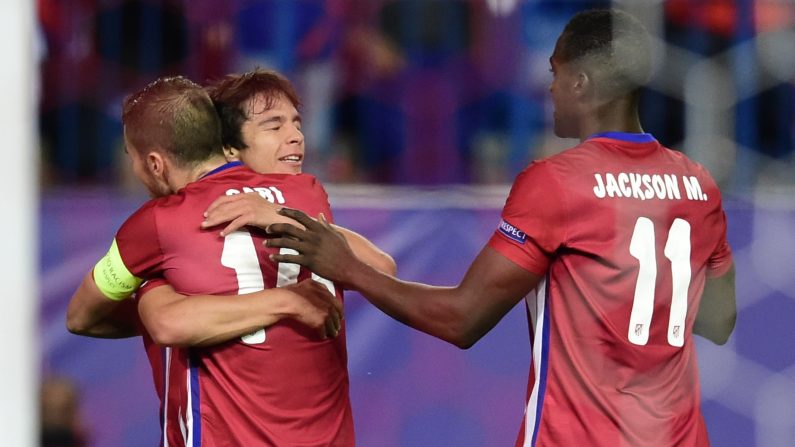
[240,254]
[677,250]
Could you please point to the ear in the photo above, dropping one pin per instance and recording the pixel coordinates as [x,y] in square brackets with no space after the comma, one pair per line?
[156,164]
[583,83]
[231,153]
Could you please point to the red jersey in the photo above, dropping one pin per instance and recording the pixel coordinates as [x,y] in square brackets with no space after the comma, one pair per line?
[278,386]
[624,232]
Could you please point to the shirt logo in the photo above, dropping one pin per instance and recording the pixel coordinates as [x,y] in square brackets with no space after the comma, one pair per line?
[512,232]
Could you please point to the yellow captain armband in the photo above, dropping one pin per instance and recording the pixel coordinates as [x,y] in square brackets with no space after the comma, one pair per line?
[112,277]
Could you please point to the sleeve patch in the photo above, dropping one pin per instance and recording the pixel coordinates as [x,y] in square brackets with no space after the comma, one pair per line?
[512,232]
[112,277]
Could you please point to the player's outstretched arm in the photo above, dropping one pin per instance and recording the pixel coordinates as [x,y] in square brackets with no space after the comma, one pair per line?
[717,312]
[460,315]
[368,252]
[239,210]
[92,314]
[173,319]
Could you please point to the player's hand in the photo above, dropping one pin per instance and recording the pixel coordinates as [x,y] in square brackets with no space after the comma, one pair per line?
[314,306]
[240,210]
[320,247]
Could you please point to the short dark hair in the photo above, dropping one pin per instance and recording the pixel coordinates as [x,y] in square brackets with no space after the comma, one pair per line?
[611,41]
[176,115]
[231,93]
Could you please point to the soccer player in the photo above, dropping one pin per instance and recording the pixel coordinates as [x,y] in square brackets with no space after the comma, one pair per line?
[259,112]
[622,243]
[277,386]
[261,126]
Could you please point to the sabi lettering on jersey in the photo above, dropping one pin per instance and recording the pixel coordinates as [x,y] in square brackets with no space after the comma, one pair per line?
[512,232]
[272,194]
[647,186]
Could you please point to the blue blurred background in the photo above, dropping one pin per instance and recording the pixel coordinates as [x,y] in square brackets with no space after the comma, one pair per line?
[441,103]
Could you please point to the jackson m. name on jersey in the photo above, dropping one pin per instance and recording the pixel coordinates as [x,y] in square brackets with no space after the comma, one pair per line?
[647,186]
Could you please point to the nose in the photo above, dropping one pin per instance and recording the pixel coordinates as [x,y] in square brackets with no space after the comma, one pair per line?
[296,136]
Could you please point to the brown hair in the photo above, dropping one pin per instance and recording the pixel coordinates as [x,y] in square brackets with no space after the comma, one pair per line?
[176,115]
[231,93]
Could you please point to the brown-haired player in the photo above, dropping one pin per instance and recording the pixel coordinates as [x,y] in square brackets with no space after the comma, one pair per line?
[265,377]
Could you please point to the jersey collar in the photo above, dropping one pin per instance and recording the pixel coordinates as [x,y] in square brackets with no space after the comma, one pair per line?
[223,167]
[625,136]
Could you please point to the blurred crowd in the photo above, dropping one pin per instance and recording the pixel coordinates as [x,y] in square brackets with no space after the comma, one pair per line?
[61,416]
[418,91]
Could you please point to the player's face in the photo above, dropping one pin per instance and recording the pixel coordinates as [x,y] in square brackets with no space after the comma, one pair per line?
[154,186]
[563,100]
[273,136]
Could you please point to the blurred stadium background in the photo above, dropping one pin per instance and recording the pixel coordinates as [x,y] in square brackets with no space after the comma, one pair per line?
[418,114]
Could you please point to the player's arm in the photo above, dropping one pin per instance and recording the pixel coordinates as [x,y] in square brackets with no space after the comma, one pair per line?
[460,315]
[240,210]
[100,307]
[717,311]
[173,319]
[368,252]
[92,314]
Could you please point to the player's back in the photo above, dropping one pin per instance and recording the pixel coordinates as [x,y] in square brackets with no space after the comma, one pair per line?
[277,386]
[637,226]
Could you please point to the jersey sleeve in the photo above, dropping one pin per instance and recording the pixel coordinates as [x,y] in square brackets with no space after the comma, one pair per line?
[322,197]
[150,284]
[131,257]
[534,219]
[139,243]
[720,261]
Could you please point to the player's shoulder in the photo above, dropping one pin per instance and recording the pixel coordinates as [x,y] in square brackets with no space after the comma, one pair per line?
[295,183]
[307,183]
[153,205]
[143,220]
[604,151]
[570,158]
[311,187]
[160,213]
[170,201]
[304,179]
[556,164]
[681,158]
[300,179]
[539,175]
[689,166]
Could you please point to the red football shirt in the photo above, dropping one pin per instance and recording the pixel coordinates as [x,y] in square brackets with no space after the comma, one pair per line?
[624,232]
[276,387]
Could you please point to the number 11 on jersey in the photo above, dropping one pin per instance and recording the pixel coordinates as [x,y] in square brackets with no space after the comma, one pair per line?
[677,250]
[240,254]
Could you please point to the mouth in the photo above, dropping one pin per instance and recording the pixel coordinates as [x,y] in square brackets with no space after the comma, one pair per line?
[292,159]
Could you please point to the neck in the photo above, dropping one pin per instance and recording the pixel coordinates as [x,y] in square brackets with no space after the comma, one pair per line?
[617,115]
[181,177]
[207,167]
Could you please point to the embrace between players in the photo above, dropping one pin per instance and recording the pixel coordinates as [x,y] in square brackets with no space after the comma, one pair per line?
[238,290]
